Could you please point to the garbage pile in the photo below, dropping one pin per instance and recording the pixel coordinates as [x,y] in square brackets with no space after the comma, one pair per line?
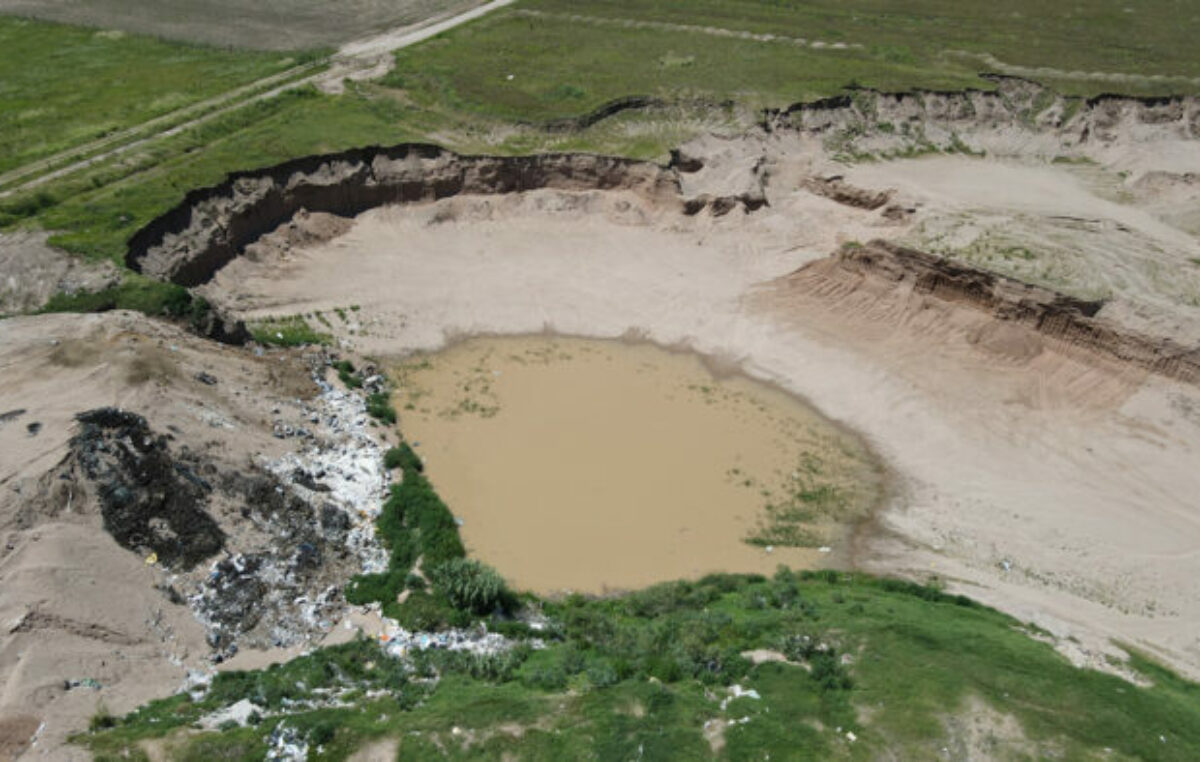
[152,503]
[343,469]
[286,745]
[317,506]
[399,642]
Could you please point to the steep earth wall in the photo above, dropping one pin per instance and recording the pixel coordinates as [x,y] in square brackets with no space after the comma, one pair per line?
[1014,104]
[1049,313]
[212,225]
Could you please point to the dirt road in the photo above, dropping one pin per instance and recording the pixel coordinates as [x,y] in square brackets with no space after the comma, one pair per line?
[351,61]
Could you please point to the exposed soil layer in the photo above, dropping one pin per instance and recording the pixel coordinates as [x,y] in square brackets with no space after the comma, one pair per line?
[166,501]
[213,225]
[32,271]
[1051,314]
[942,118]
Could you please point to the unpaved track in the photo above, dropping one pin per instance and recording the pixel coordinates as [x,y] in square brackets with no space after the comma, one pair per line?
[352,58]
[129,133]
[989,61]
[666,26]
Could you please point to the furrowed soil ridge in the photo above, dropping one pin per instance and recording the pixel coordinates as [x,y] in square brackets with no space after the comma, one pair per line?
[1052,314]
[1014,102]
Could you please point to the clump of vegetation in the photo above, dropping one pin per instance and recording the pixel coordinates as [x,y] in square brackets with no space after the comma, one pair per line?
[468,584]
[379,407]
[287,332]
[415,523]
[346,374]
[403,457]
[887,660]
[134,292]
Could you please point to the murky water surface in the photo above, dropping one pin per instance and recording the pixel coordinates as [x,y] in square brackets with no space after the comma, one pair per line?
[600,465]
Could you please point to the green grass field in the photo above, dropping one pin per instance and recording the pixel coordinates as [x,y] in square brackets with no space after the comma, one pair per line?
[902,667]
[561,65]
[1149,37]
[61,86]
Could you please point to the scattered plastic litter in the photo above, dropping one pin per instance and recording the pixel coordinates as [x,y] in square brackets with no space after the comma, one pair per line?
[736,691]
[151,559]
[399,642]
[286,745]
[239,712]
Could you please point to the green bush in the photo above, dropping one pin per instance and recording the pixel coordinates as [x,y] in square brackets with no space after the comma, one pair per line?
[136,293]
[468,584]
[379,407]
[287,332]
[414,522]
[402,457]
[345,371]
[421,611]
[368,588]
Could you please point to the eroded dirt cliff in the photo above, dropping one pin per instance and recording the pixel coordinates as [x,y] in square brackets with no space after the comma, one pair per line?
[213,225]
[1049,313]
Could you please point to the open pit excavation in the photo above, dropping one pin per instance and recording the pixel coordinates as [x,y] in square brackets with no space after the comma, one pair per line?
[1031,390]
[952,337]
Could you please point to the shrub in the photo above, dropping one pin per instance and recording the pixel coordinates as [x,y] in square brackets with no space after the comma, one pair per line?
[133,293]
[404,458]
[102,719]
[601,674]
[829,673]
[415,582]
[345,371]
[420,611]
[468,584]
[379,407]
[367,588]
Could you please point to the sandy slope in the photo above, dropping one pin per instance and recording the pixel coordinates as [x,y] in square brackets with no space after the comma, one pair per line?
[74,605]
[1056,486]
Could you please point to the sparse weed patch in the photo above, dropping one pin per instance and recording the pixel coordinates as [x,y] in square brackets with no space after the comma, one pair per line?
[287,332]
[886,660]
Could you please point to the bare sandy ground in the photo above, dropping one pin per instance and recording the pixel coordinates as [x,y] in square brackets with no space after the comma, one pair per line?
[32,272]
[84,624]
[1032,476]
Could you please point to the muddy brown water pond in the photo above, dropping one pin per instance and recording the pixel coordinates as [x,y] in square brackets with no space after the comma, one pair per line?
[592,465]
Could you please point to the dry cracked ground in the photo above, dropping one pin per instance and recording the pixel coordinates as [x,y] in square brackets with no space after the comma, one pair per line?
[1003,302]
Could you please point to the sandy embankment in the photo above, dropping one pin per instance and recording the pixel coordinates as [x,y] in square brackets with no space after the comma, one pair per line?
[1053,485]
[96,623]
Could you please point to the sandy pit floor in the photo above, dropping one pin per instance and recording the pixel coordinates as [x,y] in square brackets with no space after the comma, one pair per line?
[1060,489]
[591,466]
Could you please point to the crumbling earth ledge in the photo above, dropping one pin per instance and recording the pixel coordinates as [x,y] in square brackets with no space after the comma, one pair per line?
[1049,313]
[211,226]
